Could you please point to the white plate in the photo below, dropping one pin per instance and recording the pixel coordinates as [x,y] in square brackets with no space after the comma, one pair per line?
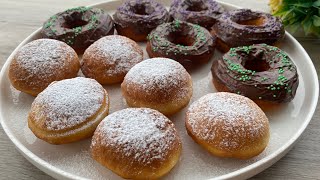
[72,161]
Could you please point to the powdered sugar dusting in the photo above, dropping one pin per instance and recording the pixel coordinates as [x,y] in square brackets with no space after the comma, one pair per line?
[235,116]
[68,103]
[141,133]
[118,52]
[159,75]
[44,57]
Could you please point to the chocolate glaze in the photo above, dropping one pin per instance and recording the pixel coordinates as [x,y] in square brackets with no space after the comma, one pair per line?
[140,16]
[233,33]
[275,77]
[202,12]
[181,41]
[78,27]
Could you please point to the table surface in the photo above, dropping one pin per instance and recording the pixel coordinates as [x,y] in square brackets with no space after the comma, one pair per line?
[21,18]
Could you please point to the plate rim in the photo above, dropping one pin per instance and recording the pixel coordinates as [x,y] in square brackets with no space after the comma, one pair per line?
[271,158]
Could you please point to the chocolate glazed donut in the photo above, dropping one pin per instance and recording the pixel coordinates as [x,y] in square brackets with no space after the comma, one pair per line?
[184,42]
[78,27]
[244,27]
[136,19]
[202,12]
[260,72]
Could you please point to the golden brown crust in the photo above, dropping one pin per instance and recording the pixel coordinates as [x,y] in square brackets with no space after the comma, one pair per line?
[50,126]
[168,92]
[130,33]
[146,153]
[225,131]
[35,66]
[222,46]
[110,58]
[137,98]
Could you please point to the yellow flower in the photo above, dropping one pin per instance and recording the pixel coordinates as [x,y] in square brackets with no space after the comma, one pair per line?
[275,5]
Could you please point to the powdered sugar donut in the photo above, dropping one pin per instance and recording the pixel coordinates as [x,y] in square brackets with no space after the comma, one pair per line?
[110,58]
[228,125]
[68,110]
[136,143]
[158,83]
[41,62]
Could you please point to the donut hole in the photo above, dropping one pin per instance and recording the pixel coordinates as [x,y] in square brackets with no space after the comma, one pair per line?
[180,38]
[73,22]
[258,21]
[142,9]
[257,65]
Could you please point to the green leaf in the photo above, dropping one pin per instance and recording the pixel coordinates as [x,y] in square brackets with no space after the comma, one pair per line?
[280,13]
[307,25]
[300,10]
[305,5]
[294,27]
[315,31]
[288,13]
[316,20]
[317,3]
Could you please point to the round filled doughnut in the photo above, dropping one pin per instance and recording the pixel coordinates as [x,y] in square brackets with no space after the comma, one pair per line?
[40,62]
[158,83]
[264,73]
[135,19]
[110,58]
[228,125]
[78,27]
[202,12]
[137,143]
[187,43]
[243,27]
[68,110]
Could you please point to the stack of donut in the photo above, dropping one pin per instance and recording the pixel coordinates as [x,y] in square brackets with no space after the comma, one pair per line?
[141,141]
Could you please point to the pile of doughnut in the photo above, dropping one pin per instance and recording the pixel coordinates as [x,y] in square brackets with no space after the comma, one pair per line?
[141,142]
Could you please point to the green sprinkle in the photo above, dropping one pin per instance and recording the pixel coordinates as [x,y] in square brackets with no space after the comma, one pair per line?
[80,9]
[176,23]
[77,30]
[281,71]
[246,49]
[48,24]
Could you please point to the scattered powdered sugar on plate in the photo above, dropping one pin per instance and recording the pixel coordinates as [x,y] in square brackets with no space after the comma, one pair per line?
[235,116]
[118,53]
[141,133]
[159,75]
[67,103]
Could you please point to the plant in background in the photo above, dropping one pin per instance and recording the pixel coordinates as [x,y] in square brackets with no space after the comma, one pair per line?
[297,14]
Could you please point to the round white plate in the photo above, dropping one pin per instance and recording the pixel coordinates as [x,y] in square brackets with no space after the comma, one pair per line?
[73,161]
